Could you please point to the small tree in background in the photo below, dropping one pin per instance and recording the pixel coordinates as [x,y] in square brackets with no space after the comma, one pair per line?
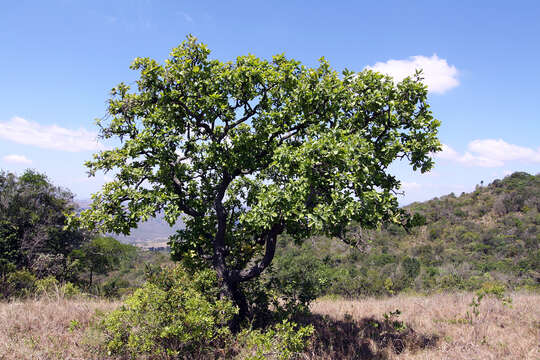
[247,150]
[32,220]
[101,255]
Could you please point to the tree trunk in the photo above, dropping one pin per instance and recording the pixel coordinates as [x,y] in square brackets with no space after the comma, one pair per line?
[231,290]
[230,279]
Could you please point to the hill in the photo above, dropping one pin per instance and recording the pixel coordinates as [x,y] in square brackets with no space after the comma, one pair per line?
[153,233]
[489,235]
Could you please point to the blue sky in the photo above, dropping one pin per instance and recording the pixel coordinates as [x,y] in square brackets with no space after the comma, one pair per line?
[61,58]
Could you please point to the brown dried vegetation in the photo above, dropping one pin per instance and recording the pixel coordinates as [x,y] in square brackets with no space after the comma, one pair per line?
[436,328]
[51,328]
[439,328]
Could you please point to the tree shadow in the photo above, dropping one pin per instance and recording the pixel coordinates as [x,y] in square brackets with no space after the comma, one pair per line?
[365,339]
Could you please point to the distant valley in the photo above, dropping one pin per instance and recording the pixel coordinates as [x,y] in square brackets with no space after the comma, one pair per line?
[151,233]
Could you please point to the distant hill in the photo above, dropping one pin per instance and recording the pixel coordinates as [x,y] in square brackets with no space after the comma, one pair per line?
[151,233]
[490,234]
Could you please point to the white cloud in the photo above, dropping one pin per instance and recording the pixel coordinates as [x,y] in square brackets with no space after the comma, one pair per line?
[186,16]
[504,151]
[447,153]
[410,185]
[54,137]
[481,161]
[16,159]
[438,75]
[490,153]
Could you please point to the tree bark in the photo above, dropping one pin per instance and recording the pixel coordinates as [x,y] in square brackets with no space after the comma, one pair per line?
[230,279]
[231,291]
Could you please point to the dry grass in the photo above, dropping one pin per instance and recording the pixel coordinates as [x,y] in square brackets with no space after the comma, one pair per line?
[436,329]
[499,332]
[50,328]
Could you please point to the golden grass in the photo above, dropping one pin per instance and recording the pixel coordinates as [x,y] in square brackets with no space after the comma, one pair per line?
[499,332]
[436,329]
[50,328]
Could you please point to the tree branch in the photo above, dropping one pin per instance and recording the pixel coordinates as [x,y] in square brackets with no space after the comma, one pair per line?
[182,205]
[270,250]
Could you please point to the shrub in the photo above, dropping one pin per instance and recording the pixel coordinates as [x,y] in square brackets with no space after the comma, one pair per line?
[69,290]
[411,267]
[489,288]
[50,286]
[174,314]
[114,287]
[47,285]
[299,280]
[283,341]
[19,283]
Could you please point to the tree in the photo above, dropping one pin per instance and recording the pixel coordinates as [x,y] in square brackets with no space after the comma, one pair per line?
[32,220]
[247,150]
[102,254]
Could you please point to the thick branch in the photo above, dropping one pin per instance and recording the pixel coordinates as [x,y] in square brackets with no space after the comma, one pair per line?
[182,205]
[258,268]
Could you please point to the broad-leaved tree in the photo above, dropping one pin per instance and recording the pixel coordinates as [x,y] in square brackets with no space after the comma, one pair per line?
[246,150]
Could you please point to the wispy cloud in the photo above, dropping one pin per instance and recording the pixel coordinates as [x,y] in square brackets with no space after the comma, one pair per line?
[407,186]
[490,153]
[17,159]
[53,137]
[186,16]
[438,75]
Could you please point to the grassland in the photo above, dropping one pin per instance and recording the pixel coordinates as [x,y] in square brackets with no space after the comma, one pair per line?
[435,327]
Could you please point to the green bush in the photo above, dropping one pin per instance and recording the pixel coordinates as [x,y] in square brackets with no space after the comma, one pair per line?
[47,286]
[114,287]
[283,341]
[300,280]
[411,267]
[20,283]
[174,314]
[70,290]
[50,286]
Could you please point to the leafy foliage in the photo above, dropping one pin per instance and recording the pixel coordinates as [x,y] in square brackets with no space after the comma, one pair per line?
[488,289]
[101,255]
[38,250]
[33,239]
[250,149]
[284,341]
[32,218]
[173,314]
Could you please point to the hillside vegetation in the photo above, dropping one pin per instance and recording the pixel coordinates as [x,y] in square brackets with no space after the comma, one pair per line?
[491,235]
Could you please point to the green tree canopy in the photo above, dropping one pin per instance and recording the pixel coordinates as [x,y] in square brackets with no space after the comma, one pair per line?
[102,254]
[248,149]
[32,219]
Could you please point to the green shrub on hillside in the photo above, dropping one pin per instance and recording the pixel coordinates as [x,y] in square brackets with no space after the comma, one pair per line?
[300,279]
[173,314]
[178,315]
[20,283]
[494,230]
[283,341]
